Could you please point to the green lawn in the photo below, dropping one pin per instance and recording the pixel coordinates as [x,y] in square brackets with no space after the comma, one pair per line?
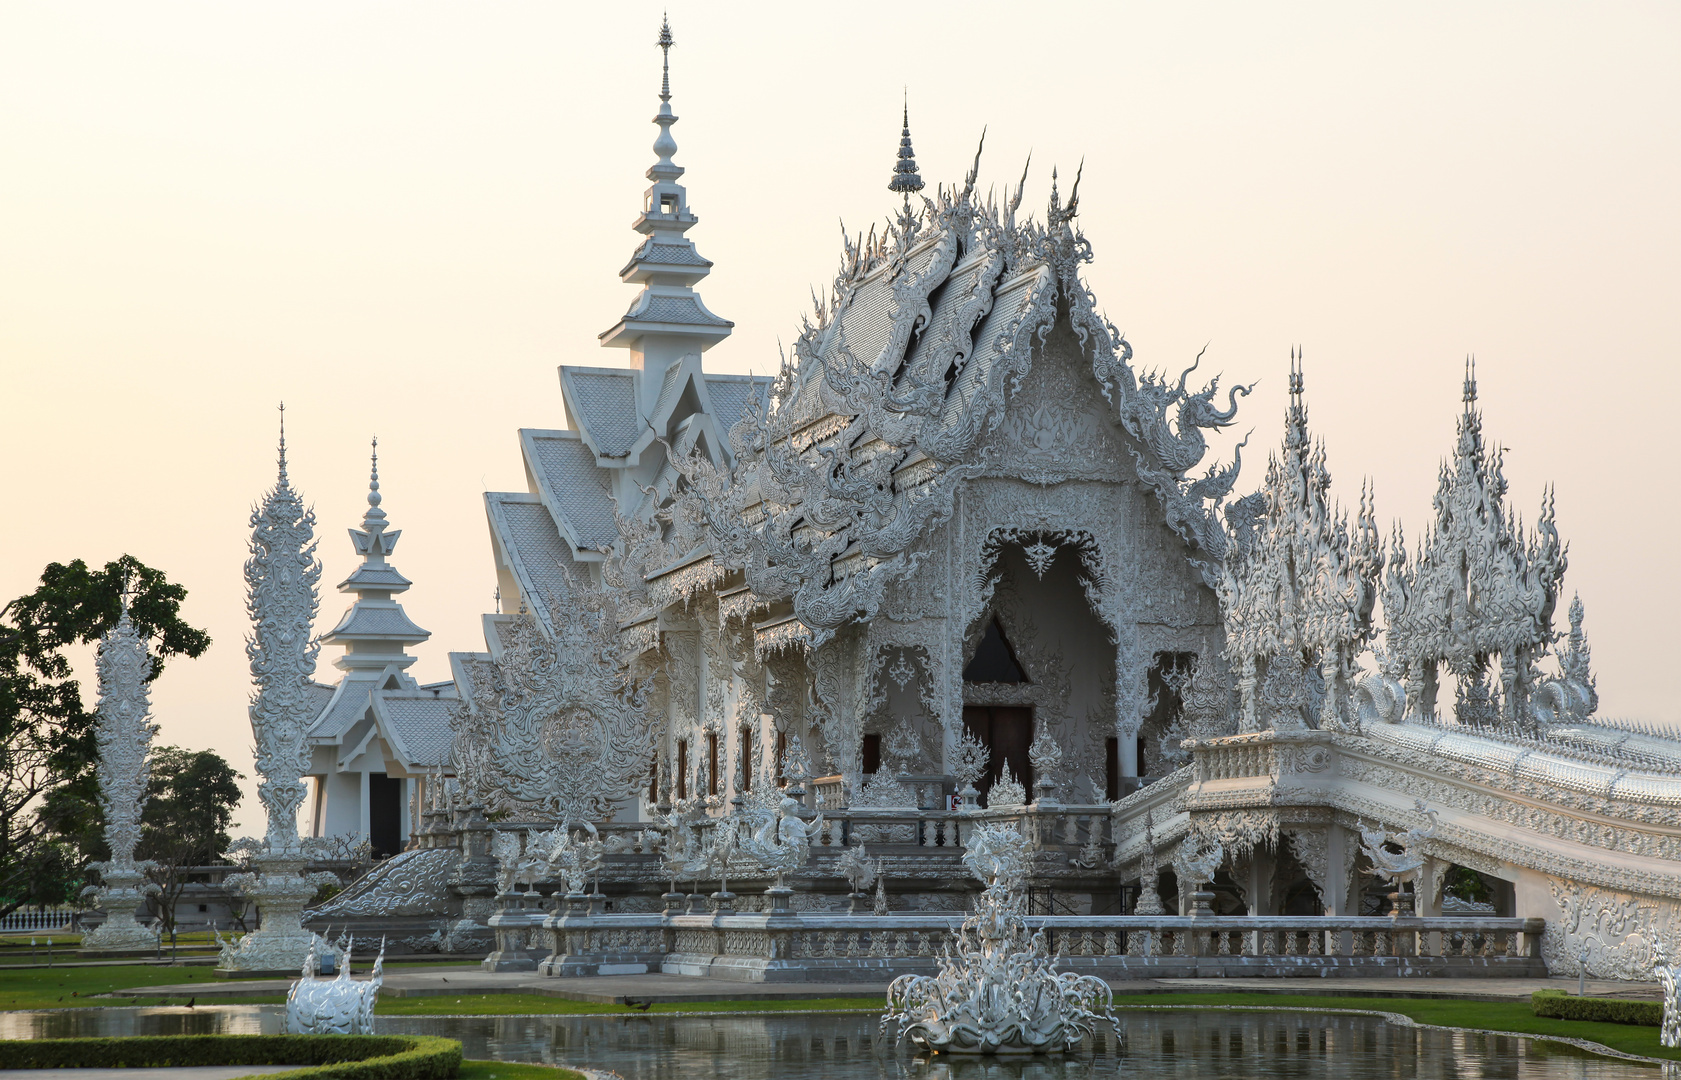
[41,987]
[1513,1016]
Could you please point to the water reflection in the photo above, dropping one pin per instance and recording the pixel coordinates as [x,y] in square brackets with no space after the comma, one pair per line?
[1253,1046]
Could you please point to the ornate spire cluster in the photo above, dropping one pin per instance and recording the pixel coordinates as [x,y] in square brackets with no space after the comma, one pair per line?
[667,319]
[1298,594]
[280,578]
[1480,588]
[905,177]
[375,630]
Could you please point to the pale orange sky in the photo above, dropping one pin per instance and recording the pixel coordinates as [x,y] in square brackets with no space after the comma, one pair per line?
[401,216]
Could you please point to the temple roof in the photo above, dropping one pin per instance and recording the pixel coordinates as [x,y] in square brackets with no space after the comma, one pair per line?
[575,490]
[415,725]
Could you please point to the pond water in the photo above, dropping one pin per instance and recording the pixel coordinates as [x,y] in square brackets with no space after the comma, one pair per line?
[1190,1044]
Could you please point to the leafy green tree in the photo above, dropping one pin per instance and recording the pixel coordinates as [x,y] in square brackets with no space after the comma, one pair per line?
[47,745]
[190,801]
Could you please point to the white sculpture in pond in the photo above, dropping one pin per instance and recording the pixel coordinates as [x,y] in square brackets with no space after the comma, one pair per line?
[336,1006]
[998,990]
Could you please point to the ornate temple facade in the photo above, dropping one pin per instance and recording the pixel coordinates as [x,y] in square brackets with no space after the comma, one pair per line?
[963,559]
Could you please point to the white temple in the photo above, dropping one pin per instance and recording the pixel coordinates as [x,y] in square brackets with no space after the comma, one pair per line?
[962,561]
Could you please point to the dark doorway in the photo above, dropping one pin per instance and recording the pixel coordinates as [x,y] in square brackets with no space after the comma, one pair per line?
[385,802]
[1007,731]
[994,660]
[871,754]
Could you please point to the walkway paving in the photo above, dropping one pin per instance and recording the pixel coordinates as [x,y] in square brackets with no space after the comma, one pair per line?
[618,989]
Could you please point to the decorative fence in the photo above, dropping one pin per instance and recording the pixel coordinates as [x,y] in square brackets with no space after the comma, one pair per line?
[798,947]
[25,920]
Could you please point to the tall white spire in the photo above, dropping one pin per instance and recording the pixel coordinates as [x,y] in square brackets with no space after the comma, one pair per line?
[667,320]
[375,630]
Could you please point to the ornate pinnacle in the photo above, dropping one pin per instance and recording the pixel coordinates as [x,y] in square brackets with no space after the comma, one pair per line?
[1470,382]
[374,519]
[665,42]
[283,482]
[905,177]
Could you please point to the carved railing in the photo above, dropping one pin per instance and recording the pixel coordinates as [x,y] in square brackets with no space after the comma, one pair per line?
[801,946]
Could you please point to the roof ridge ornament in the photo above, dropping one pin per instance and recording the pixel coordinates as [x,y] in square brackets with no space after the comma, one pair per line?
[905,177]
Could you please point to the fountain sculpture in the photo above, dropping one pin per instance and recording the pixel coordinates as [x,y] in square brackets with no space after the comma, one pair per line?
[336,1006]
[998,990]
[125,736]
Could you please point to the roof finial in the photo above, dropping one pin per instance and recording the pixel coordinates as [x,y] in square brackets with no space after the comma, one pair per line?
[665,42]
[282,444]
[373,476]
[905,176]
[1470,382]
[374,519]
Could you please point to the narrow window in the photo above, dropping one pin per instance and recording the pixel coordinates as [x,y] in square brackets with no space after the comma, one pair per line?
[654,779]
[712,763]
[744,747]
[782,759]
[682,768]
[1111,769]
[872,753]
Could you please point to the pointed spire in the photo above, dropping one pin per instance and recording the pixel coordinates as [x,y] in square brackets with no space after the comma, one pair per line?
[665,43]
[374,520]
[905,177]
[375,623]
[1470,382]
[666,320]
[283,481]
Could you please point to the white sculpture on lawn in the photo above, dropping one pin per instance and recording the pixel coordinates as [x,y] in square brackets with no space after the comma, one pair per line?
[336,1006]
[125,736]
[280,579]
[998,990]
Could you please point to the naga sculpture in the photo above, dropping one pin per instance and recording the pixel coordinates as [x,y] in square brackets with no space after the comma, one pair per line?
[997,990]
[1398,868]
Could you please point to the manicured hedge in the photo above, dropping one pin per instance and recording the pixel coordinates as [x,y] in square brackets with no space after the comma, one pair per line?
[328,1057]
[1561,1006]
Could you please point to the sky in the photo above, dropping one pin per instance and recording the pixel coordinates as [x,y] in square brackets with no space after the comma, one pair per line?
[399,217]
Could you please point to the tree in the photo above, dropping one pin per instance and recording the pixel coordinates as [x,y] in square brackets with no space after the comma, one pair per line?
[190,801]
[47,744]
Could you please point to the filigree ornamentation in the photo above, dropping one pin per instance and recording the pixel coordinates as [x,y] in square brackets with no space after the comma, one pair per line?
[1477,591]
[1006,790]
[125,733]
[998,990]
[555,728]
[281,578]
[1297,592]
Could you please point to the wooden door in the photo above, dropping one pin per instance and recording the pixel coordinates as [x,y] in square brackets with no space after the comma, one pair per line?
[1007,731]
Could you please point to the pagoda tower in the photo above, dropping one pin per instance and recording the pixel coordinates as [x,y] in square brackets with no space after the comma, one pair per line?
[668,320]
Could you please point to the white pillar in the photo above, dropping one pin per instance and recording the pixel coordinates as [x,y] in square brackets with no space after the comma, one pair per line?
[362,802]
